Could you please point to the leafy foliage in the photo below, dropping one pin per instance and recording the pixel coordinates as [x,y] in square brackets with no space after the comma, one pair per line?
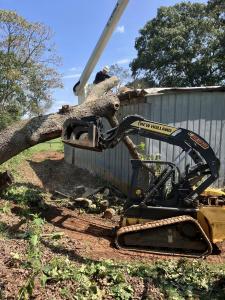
[33,257]
[34,251]
[183,46]
[27,61]
[218,9]
[5,208]
[23,194]
[183,279]
[142,150]
[123,74]
[95,279]
[6,117]
[177,279]
[173,279]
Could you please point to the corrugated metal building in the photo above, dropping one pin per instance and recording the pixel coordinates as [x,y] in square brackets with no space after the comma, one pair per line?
[201,110]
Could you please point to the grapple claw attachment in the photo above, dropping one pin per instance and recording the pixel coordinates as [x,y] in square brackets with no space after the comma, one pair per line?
[84,133]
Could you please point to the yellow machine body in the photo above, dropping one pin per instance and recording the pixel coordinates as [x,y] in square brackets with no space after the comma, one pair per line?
[213,192]
[212,221]
[126,221]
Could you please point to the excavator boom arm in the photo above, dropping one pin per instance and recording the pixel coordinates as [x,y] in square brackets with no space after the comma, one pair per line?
[206,162]
[166,210]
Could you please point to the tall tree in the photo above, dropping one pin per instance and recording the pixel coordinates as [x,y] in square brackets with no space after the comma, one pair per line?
[184,45]
[126,79]
[27,62]
[217,8]
[124,75]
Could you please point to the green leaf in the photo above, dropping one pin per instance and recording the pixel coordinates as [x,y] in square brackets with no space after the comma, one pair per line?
[43,279]
[57,235]
[34,240]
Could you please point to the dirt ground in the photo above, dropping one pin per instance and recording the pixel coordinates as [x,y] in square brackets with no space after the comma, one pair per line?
[49,171]
[85,235]
[92,234]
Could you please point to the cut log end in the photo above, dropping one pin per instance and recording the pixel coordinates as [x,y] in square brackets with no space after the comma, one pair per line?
[6,179]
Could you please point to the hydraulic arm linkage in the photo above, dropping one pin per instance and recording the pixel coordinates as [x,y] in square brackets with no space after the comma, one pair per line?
[88,133]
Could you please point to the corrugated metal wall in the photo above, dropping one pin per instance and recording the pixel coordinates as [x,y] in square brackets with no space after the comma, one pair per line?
[201,112]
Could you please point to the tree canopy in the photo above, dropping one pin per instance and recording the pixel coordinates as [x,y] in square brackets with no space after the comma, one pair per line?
[122,73]
[184,45]
[27,67]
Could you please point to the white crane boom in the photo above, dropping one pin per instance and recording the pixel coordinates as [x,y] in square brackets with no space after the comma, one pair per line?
[106,34]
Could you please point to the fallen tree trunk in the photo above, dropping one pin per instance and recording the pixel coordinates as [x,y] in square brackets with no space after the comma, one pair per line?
[25,134]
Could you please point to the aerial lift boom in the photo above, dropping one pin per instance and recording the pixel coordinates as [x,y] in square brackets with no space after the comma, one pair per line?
[100,46]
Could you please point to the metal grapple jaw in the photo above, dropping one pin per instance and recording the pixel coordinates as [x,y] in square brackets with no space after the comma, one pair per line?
[84,133]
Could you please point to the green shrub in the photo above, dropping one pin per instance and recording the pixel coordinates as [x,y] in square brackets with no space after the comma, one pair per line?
[23,194]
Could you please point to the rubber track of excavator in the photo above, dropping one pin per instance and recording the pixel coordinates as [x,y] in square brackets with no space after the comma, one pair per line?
[159,223]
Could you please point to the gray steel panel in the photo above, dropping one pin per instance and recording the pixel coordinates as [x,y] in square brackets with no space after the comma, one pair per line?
[204,113]
[68,154]
[156,116]
[125,156]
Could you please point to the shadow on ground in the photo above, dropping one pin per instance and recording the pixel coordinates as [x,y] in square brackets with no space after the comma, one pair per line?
[56,174]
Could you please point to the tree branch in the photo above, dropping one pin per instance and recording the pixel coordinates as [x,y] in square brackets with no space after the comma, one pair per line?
[113,121]
[25,134]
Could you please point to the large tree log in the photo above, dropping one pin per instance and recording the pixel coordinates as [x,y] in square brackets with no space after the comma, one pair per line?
[25,134]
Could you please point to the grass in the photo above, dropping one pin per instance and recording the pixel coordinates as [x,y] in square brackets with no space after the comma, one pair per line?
[13,163]
[53,145]
[21,193]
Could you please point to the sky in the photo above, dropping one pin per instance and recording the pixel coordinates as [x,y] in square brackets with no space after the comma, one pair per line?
[77,25]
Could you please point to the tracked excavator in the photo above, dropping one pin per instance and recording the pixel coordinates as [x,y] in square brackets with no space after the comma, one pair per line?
[168,210]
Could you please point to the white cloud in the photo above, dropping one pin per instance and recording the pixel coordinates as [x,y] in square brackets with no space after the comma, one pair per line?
[123,61]
[72,76]
[75,69]
[120,29]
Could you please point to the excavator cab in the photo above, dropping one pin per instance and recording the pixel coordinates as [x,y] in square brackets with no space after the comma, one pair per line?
[153,181]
